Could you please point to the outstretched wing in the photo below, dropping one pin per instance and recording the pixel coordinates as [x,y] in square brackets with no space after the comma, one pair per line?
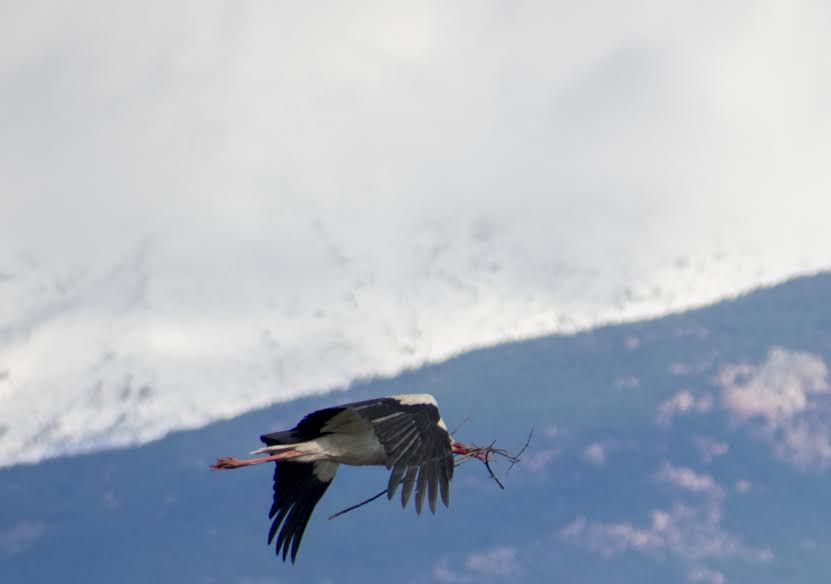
[417,444]
[298,486]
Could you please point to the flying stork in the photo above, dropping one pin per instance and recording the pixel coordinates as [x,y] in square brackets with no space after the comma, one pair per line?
[404,433]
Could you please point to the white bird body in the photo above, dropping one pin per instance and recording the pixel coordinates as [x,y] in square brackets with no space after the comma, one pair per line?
[356,449]
[404,433]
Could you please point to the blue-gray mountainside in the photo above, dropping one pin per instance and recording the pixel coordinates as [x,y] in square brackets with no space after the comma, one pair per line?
[690,448]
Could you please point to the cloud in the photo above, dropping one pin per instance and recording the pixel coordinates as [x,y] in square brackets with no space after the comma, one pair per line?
[710,448]
[786,400]
[552,431]
[632,342]
[682,368]
[20,536]
[500,561]
[778,389]
[688,532]
[691,532]
[537,461]
[706,576]
[206,212]
[683,402]
[626,382]
[688,479]
[497,563]
[595,454]
[265,580]
[110,500]
[610,538]
[443,573]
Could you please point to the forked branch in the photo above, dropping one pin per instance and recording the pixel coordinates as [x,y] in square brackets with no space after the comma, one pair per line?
[486,454]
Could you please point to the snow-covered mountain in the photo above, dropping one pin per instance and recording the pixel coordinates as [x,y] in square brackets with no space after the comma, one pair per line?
[156,340]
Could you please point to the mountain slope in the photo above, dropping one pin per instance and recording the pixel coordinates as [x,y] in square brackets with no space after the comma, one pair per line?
[693,447]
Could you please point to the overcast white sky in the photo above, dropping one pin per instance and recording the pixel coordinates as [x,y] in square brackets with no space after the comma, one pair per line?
[207,207]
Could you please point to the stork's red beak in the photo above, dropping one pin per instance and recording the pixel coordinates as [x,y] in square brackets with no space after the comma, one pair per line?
[464,450]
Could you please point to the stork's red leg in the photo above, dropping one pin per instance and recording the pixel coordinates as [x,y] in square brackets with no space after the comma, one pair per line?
[229,463]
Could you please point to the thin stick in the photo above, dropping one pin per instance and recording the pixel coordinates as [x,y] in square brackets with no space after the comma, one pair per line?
[521,452]
[371,499]
[462,423]
[361,504]
[486,460]
[493,476]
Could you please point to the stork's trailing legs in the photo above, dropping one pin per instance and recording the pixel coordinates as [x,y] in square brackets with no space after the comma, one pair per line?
[230,463]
